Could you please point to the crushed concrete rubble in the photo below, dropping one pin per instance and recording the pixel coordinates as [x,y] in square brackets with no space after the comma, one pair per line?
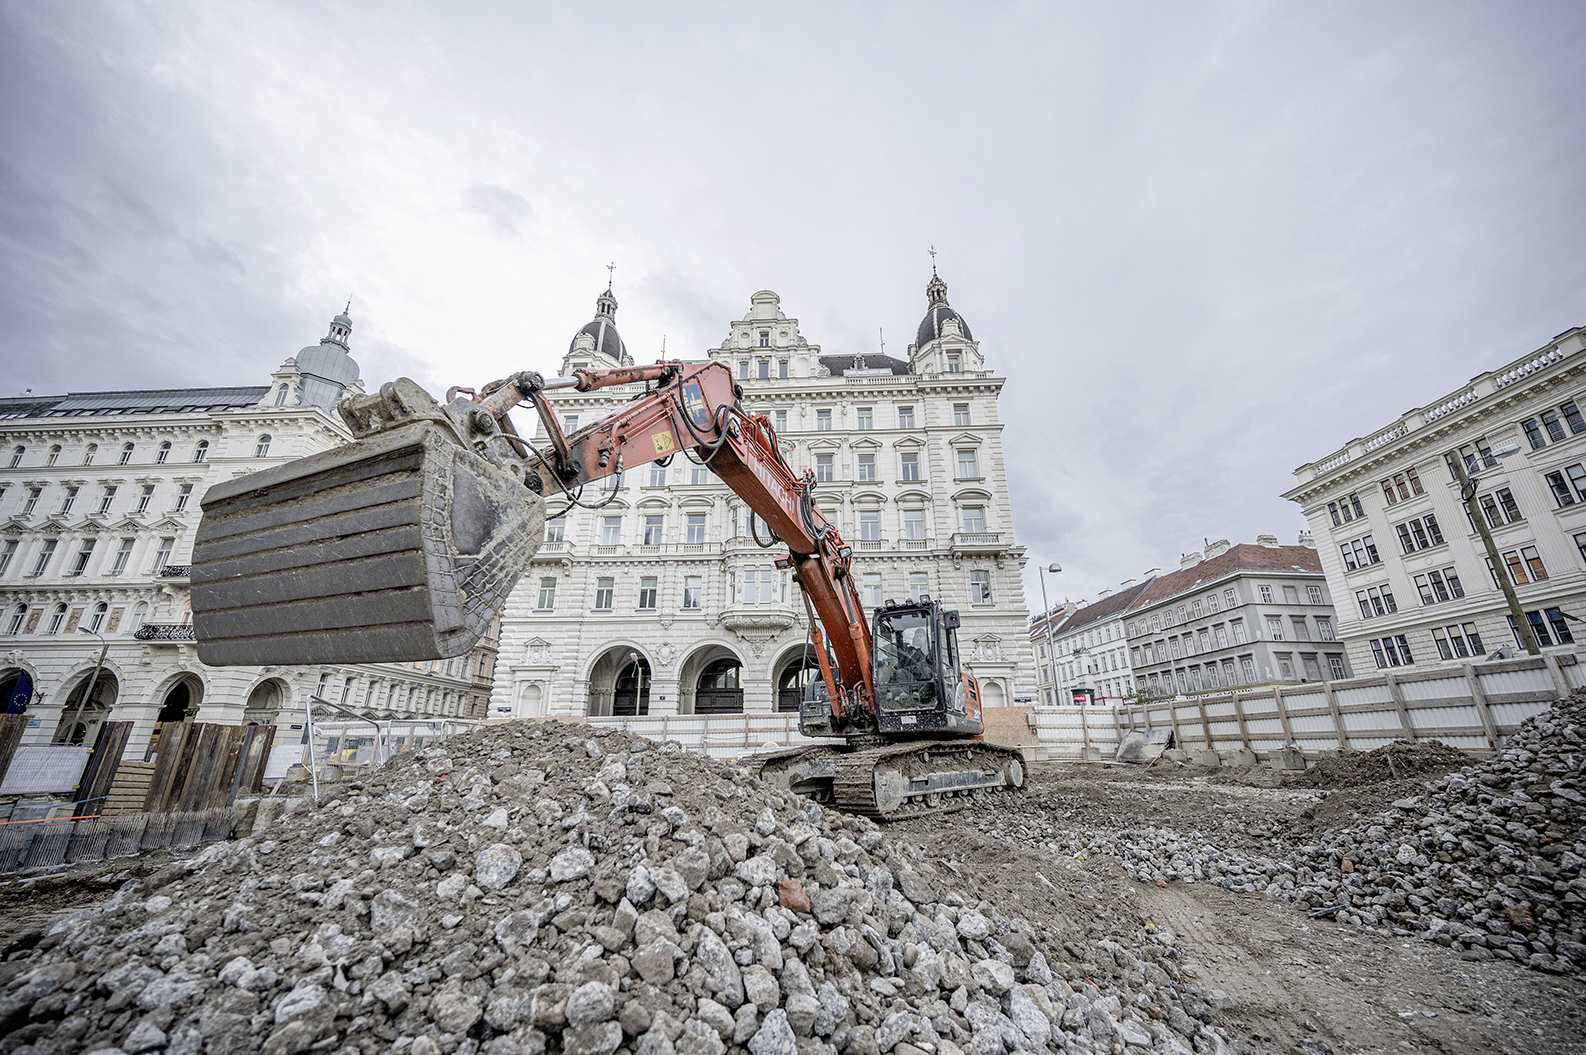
[548,888]
[1489,861]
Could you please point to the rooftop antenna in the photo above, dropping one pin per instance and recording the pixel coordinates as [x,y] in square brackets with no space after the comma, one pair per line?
[611,274]
[932,251]
[348,308]
[883,334]
[663,346]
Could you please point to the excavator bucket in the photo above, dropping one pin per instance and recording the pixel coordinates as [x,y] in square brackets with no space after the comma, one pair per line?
[398,547]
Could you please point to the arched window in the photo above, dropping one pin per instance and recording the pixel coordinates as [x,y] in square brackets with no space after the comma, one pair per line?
[280,396]
[14,624]
[89,452]
[139,614]
[126,453]
[16,456]
[55,452]
[57,617]
[201,451]
[165,452]
[97,620]
[262,448]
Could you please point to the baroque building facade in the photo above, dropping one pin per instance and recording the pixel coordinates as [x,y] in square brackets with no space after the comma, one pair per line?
[1086,660]
[660,602]
[99,504]
[1400,548]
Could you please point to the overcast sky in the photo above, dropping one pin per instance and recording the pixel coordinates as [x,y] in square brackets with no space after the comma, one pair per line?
[1206,243]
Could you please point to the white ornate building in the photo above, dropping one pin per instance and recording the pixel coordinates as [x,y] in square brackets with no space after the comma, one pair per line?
[99,502]
[660,602]
[1403,559]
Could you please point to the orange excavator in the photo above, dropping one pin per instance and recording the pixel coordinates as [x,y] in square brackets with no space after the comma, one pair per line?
[403,544]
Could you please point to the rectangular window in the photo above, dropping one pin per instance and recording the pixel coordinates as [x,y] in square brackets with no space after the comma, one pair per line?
[974,519]
[1324,629]
[1560,626]
[960,413]
[1274,628]
[1238,626]
[1314,594]
[657,476]
[980,587]
[1533,563]
[1555,428]
[865,418]
[1534,434]
[605,587]
[123,554]
[1228,599]
[654,528]
[68,499]
[698,474]
[85,551]
[611,531]
[162,555]
[823,421]
[743,370]
[823,468]
[1301,631]
[1247,664]
[7,553]
[967,469]
[105,500]
[696,529]
[909,466]
[144,496]
[547,595]
[43,560]
[905,417]
[919,585]
[1211,602]
[1516,567]
[765,370]
[914,524]
[556,529]
[183,493]
[1511,511]
[692,591]
[781,369]
[872,589]
[869,525]
[570,424]
[1266,594]
[867,467]
[33,500]
[1222,635]
[780,419]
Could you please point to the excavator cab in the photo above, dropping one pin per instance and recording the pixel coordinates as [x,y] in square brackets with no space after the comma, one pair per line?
[920,684]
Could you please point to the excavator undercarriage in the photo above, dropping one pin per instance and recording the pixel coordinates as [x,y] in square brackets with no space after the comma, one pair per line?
[403,544]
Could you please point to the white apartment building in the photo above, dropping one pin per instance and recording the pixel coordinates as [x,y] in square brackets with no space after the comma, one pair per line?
[1400,550]
[1091,662]
[660,602]
[99,503]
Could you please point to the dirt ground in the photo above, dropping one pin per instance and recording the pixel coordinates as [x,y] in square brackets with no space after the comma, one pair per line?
[1287,977]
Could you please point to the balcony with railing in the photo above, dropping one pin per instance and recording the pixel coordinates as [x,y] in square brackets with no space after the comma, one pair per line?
[168,632]
[977,542]
[175,571]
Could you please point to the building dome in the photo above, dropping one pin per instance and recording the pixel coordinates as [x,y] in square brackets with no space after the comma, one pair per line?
[326,367]
[937,314]
[603,330]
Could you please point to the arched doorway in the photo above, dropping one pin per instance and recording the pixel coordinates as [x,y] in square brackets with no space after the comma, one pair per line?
[720,687]
[795,672]
[180,704]
[619,683]
[16,690]
[264,703]
[80,716]
[992,694]
[531,701]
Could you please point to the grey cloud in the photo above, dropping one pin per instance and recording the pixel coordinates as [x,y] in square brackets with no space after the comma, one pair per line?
[507,212]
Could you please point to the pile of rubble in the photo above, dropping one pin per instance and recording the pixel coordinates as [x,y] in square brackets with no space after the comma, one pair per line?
[1399,760]
[1490,861]
[544,888]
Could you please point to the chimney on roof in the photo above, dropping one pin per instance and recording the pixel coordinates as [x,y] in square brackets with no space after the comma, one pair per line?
[1152,573]
[1127,583]
[1188,560]
[1217,549]
[1307,539]
[1269,541]
[1102,593]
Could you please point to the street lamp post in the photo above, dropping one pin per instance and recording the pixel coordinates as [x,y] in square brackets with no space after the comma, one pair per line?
[1467,495]
[1046,612]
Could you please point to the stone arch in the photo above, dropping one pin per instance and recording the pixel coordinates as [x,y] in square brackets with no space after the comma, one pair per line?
[710,681]
[531,700]
[790,671]
[266,701]
[619,682]
[82,712]
[993,693]
[178,700]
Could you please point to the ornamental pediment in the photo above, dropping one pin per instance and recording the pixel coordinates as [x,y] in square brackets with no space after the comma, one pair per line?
[966,439]
[908,443]
[825,444]
[169,522]
[866,444]
[129,522]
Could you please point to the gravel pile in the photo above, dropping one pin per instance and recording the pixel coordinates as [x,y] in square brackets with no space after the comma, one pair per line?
[1490,861]
[550,888]
[1395,761]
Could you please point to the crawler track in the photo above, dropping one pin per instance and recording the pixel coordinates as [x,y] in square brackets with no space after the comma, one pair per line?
[898,781]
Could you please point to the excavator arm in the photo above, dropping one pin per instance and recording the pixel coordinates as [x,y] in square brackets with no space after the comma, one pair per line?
[403,544]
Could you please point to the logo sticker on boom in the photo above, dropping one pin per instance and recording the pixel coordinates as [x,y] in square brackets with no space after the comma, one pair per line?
[694,403]
[663,441]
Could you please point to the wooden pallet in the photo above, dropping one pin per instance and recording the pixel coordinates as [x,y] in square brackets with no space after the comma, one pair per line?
[130,790]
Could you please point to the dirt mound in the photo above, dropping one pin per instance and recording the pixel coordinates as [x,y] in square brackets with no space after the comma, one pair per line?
[1396,761]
